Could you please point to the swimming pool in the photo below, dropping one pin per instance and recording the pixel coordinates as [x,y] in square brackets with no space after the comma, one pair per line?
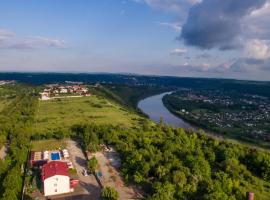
[55,156]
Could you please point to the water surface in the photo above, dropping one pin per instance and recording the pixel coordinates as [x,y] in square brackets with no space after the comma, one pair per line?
[154,108]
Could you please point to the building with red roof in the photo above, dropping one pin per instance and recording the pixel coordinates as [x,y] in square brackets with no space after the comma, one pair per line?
[55,178]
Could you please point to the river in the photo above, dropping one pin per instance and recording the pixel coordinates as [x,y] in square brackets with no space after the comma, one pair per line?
[154,108]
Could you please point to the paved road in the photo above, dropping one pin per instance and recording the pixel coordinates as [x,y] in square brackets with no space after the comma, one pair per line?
[88,183]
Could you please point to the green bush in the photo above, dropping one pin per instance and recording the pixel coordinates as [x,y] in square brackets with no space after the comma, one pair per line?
[109,193]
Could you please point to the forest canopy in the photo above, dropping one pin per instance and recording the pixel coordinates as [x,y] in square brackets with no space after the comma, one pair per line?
[174,164]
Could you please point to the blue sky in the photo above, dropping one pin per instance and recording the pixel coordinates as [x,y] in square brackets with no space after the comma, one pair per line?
[201,38]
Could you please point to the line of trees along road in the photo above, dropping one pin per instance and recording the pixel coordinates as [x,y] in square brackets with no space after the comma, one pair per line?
[15,125]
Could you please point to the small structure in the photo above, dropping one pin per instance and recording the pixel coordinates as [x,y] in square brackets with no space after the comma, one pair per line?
[55,178]
[36,159]
[63,90]
[46,155]
[45,96]
[65,153]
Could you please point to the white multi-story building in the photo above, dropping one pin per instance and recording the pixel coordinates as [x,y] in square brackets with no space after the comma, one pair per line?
[55,178]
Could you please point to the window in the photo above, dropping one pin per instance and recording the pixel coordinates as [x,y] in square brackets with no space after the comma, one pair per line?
[55,190]
[55,185]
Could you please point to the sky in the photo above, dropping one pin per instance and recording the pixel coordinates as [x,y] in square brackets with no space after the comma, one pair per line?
[191,38]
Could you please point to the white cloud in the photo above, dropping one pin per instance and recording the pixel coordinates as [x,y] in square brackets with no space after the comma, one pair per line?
[262,11]
[256,25]
[4,34]
[175,26]
[9,40]
[178,52]
[258,49]
[170,5]
[47,42]
[179,7]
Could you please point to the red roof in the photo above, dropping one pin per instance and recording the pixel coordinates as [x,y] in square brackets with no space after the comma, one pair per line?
[54,168]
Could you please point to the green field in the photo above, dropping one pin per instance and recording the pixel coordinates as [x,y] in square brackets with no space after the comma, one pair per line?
[52,144]
[63,113]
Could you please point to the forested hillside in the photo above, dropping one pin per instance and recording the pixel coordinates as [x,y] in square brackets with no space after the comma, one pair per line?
[174,164]
[128,95]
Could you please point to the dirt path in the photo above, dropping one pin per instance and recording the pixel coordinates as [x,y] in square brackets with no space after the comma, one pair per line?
[88,183]
[107,162]
[3,152]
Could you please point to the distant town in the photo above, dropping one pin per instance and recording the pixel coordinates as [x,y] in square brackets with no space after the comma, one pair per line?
[70,89]
[6,82]
[243,114]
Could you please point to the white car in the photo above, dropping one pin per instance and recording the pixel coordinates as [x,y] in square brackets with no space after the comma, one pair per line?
[84,172]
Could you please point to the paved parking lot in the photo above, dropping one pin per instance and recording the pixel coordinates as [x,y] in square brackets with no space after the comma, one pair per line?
[88,188]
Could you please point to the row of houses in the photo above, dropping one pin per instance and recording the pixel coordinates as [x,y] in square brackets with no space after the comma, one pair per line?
[55,90]
[6,82]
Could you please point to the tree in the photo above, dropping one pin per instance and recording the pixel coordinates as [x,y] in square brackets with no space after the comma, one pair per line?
[161,171]
[146,125]
[92,164]
[91,139]
[138,178]
[163,191]
[109,193]
[10,194]
[2,140]
[179,178]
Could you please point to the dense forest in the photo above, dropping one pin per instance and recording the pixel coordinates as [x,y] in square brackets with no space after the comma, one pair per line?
[174,164]
[252,87]
[16,120]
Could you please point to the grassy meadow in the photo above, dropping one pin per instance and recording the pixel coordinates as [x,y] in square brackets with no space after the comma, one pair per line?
[63,113]
[50,144]
[3,104]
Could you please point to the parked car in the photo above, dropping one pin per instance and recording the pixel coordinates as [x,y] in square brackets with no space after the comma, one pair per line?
[84,172]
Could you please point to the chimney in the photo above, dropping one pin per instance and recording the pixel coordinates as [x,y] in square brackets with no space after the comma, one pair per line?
[250,196]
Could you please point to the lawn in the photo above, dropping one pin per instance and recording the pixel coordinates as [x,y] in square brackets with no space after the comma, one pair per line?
[63,113]
[42,145]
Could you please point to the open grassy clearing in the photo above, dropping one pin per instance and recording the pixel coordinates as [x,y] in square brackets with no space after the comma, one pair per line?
[42,145]
[63,113]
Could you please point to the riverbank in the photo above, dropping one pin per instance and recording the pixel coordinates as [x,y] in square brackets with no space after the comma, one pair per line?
[212,131]
[153,107]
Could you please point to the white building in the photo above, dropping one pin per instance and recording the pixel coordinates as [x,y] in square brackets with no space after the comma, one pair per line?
[55,178]
[44,96]
[63,90]
[84,90]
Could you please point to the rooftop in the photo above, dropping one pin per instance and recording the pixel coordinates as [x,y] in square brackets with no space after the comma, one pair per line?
[54,168]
